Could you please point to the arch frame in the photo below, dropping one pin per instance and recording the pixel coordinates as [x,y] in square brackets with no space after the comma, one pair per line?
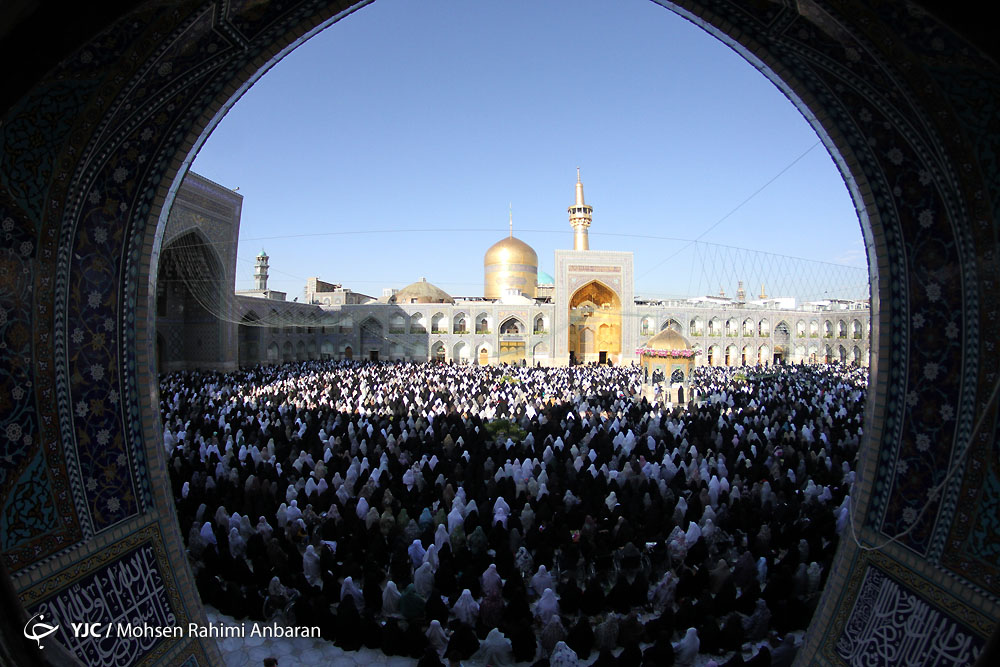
[807,54]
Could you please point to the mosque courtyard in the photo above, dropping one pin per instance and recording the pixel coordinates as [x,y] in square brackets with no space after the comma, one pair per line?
[512,515]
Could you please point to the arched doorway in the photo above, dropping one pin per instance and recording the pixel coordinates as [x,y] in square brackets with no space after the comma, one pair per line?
[891,108]
[372,339]
[714,357]
[484,356]
[592,307]
[249,338]
[192,306]
[513,341]
[780,353]
[731,355]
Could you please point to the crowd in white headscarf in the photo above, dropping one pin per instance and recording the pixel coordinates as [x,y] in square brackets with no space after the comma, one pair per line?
[545,509]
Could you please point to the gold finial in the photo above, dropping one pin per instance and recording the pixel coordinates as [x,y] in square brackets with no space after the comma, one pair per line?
[577,174]
[510,214]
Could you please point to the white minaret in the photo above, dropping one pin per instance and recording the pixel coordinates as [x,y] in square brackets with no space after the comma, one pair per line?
[260,272]
[580,216]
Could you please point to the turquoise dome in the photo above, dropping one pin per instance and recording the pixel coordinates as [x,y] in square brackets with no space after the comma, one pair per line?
[545,279]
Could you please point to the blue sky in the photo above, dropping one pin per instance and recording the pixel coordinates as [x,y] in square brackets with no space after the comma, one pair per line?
[388,147]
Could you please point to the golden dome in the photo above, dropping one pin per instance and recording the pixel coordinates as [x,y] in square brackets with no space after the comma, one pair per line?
[510,264]
[421,292]
[668,339]
[511,250]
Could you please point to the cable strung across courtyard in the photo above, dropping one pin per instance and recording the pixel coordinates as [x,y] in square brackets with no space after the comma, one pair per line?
[508,513]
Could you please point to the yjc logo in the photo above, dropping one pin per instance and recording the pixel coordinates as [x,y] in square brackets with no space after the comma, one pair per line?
[86,629]
[38,630]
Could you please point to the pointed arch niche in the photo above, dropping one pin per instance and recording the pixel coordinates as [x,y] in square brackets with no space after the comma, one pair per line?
[595,316]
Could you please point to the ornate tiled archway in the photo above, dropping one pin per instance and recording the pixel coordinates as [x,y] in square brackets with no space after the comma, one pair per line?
[91,156]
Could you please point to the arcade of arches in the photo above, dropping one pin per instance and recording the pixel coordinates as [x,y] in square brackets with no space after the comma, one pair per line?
[899,99]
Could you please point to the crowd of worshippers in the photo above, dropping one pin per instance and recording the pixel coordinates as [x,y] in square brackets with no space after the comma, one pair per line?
[517,513]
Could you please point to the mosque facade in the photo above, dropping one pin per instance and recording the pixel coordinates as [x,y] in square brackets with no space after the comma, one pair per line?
[586,313]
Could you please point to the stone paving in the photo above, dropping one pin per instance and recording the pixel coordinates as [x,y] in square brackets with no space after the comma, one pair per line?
[251,651]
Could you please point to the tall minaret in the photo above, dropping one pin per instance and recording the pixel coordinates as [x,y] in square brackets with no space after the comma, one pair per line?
[260,272]
[580,216]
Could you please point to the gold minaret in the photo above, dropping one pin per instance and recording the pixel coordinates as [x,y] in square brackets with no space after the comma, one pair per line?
[580,216]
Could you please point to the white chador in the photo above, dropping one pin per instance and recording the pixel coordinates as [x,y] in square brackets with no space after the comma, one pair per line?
[349,588]
[390,599]
[423,580]
[541,581]
[547,607]
[466,608]
[417,553]
[311,567]
[495,649]
[491,581]
[686,650]
[437,638]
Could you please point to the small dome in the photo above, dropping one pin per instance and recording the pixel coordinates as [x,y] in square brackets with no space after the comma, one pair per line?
[421,292]
[545,279]
[668,339]
[511,250]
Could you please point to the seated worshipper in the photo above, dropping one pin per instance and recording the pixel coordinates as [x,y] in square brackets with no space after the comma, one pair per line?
[494,650]
[350,589]
[686,650]
[412,641]
[417,553]
[759,623]
[784,654]
[423,580]
[541,581]
[592,600]
[348,625]
[546,607]
[436,608]
[630,630]
[553,632]
[375,636]
[466,609]
[491,610]
[606,633]
[280,595]
[463,643]
[390,599]
[437,638]
[581,638]
[430,658]
[411,605]
[661,652]
[311,567]
[605,659]
[491,580]
[563,656]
